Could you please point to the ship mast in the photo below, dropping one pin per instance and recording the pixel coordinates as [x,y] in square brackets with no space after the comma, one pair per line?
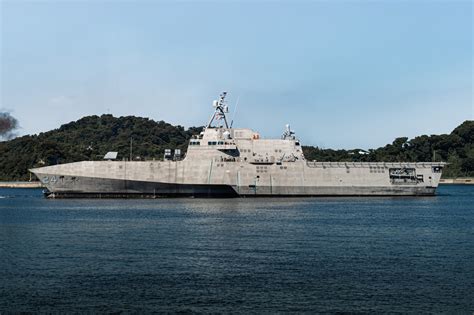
[221,109]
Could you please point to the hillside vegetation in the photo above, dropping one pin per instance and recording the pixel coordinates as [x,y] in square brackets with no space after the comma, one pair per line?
[91,137]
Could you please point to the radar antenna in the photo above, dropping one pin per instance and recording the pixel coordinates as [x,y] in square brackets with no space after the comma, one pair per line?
[221,109]
[288,134]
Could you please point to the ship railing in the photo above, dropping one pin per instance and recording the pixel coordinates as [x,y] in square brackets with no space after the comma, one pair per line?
[314,164]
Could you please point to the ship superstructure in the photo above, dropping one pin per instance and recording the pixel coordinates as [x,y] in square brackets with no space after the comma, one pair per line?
[229,162]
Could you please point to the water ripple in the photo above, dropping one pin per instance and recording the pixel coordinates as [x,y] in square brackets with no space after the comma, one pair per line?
[261,255]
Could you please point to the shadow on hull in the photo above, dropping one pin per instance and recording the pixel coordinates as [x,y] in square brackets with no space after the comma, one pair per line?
[118,195]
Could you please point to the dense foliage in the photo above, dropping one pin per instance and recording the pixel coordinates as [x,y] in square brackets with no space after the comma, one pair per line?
[91,137]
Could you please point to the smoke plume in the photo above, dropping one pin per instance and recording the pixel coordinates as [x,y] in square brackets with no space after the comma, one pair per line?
[8,124]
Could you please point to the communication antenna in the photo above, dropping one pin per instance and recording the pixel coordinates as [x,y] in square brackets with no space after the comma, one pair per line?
[235,111]
[221,109]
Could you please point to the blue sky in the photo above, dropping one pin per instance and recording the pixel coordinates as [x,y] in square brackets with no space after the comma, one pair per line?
[344,74]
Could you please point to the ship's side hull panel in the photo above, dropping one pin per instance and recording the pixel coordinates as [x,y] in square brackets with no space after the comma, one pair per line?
[337,191]
[117,188]
[90,187]
[231,179]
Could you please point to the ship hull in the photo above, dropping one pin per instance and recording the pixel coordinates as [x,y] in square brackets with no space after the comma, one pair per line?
[88,187]
[121,179]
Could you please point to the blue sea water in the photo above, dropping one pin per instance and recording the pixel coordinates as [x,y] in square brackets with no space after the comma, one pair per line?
[405,254]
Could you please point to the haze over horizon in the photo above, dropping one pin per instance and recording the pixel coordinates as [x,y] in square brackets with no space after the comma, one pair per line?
[343,74]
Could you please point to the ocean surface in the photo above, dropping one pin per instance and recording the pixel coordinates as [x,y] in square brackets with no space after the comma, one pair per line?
[405,254]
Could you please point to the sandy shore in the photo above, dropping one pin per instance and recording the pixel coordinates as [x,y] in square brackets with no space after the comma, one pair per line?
[460,180]
[21,184]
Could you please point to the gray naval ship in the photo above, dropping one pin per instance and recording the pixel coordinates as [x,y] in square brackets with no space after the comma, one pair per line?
[223,161]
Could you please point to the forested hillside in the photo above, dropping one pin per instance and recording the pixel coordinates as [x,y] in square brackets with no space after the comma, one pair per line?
[91,137]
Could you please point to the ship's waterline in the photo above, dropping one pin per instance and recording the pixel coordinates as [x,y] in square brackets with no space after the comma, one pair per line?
[229,162]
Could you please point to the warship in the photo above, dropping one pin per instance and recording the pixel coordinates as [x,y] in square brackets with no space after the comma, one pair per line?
[223,161]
